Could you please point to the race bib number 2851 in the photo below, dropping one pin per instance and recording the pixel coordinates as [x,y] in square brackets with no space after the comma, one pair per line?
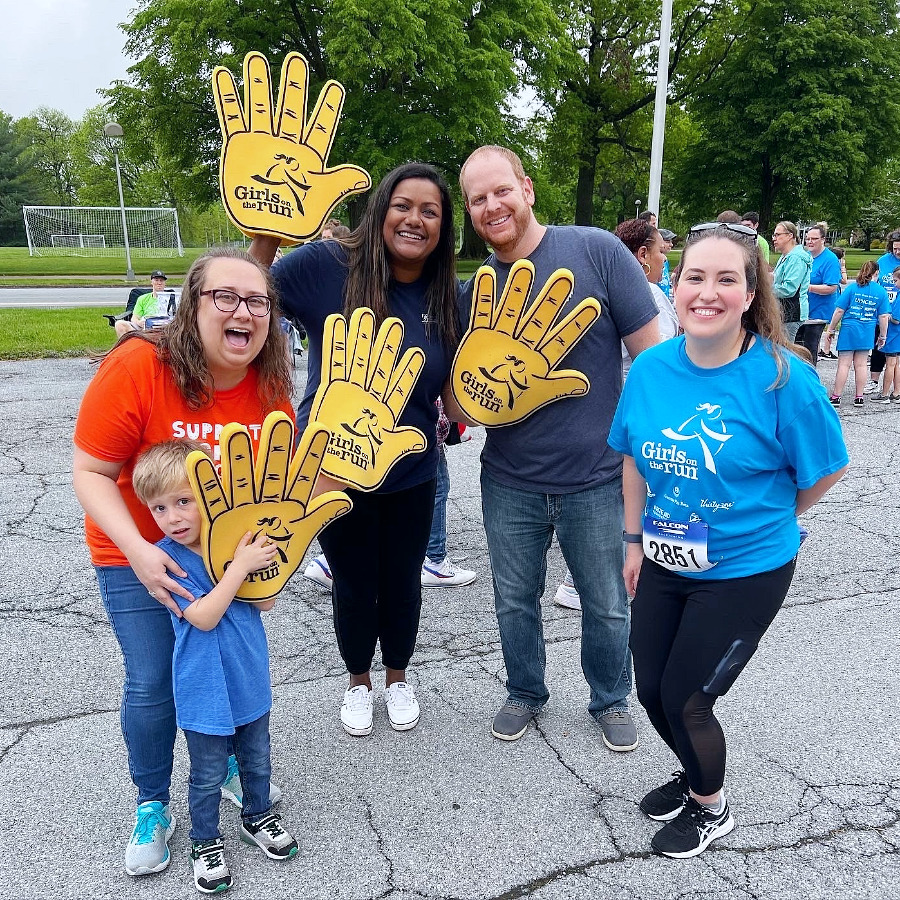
[678,546]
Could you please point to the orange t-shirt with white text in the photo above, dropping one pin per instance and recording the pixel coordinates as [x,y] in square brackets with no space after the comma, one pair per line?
[133,402]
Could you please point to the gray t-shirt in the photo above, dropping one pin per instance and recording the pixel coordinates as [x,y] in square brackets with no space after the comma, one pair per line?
[562,448]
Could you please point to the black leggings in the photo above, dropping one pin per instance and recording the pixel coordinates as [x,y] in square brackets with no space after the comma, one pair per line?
[376,553]
[681,631]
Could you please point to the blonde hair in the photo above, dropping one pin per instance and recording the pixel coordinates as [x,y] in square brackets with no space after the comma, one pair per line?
[163,467]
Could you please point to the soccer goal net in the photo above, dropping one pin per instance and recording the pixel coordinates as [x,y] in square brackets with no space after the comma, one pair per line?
[98,231]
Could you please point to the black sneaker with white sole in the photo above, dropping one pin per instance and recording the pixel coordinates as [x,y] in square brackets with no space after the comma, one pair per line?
[662,804]
[211,875]
[692,830]
[269,835]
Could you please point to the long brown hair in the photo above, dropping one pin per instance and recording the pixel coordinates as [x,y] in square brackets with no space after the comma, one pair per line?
[867,271]
[369,278]
[764,316]
[178,344]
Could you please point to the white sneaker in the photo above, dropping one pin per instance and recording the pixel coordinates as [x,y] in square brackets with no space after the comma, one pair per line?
[318,571]
[402,706]
[356,711]
[567,596]
[871,387]
[445,574]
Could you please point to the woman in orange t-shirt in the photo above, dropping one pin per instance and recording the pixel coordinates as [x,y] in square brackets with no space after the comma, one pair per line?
[222,359]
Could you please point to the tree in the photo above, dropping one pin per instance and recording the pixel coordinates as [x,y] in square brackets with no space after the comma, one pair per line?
[799,116]
[19,185]
[600,96]
[48,133]
[425,79]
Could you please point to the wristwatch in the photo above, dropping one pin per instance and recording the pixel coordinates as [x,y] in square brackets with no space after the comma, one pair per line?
[632,538]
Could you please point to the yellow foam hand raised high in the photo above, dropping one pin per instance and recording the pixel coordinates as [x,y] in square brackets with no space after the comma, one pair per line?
[363,392]
[504,368]
[272,496]
[273,175]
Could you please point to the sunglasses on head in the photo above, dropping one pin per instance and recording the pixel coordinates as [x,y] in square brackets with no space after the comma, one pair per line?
[730,226]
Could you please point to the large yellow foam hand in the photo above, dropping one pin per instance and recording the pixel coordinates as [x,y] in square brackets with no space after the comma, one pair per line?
[273,495]
[505,367]
[361,396]
[273,175]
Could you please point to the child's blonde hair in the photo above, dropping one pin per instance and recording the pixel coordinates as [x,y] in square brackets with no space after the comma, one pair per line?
[162,468]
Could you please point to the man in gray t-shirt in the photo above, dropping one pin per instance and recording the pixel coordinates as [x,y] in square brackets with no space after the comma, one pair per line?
[554,472]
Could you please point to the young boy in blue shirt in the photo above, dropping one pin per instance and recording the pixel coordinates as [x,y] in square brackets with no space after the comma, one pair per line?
[220,670]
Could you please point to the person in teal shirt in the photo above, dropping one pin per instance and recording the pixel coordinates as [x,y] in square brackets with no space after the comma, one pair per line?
[791,276]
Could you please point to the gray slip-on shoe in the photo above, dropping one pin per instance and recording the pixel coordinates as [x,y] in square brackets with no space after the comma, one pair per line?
[618,730]
[510,723]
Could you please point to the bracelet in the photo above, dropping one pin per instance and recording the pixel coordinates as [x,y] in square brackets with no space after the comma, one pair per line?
[632,538]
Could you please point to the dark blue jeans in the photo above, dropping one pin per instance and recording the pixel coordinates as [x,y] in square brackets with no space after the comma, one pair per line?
[437,540]
[209,768]
[520,526]
[143,628]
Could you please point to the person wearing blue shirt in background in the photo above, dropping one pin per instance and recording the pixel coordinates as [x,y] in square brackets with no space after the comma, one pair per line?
[825,275]
[887,262]
[891,350]
[727,437]
[863,306]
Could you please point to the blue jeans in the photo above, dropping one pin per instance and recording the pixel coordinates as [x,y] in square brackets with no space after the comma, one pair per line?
[143,628]
[520,526]
[209,768]
[437,540]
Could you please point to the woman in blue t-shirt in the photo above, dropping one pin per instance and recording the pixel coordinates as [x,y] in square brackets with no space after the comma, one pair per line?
[727,438]
[400,261]
[864,310]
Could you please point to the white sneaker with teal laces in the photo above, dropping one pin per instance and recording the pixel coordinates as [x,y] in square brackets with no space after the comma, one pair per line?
[148,849]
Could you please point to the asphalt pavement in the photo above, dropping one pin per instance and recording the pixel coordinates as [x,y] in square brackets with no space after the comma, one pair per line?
[446,812]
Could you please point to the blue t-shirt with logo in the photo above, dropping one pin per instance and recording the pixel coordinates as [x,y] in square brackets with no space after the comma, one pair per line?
[862,305]
[220,677]
[716,446]
[886,265]
[892,344]
[826,269]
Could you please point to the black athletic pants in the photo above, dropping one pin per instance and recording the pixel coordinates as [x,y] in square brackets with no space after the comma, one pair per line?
[681,631]
[376,553]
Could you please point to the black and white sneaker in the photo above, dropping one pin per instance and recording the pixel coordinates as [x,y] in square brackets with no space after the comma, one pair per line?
[662,804]
[211,875]
[270,837]
[691,831]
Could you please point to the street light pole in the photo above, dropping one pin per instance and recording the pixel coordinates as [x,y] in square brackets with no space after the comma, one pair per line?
[114,130]
[637,208]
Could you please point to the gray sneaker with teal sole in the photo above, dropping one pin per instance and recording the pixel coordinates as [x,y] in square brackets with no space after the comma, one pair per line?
[148,849]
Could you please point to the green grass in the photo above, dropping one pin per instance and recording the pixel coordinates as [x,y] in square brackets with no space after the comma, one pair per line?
[37,333]
[15,264]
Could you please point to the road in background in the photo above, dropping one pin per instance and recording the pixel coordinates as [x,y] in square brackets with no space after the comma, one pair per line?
[45,298]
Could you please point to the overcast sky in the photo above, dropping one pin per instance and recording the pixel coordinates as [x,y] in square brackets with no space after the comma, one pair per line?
[59,52]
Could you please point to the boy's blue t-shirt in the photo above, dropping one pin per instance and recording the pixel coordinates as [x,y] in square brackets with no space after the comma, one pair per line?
[715,445]
[220,677]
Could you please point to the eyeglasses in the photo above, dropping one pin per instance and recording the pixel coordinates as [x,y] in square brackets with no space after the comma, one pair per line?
[781,234]
[730,226]
[229,301]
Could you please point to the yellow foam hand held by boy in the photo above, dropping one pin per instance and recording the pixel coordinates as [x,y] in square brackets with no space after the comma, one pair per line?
[272,495]
[273,173]
[362,394]
[505,367]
